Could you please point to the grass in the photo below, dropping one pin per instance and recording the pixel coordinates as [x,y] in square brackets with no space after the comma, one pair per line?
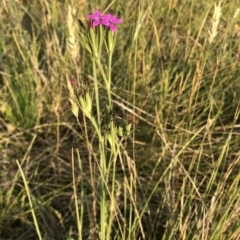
[71,166]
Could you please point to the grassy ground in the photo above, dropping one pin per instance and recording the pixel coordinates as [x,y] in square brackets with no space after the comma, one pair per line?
[174,176]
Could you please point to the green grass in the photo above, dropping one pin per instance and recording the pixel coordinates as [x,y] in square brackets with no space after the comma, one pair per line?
[175,176]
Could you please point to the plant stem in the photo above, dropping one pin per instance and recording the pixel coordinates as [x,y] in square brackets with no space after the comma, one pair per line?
[102,155]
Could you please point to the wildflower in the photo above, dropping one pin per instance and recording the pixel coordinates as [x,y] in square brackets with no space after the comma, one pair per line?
[96,17]
[111,21]
[107,20]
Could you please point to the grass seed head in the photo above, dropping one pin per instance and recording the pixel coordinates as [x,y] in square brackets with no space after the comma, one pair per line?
[215,22]
[72,31]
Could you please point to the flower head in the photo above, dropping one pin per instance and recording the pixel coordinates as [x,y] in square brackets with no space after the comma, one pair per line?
[107,20]
[96,17]
[111,21]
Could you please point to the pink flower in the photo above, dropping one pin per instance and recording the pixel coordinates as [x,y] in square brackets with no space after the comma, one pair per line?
[107,20]
[96,17]
[110,21]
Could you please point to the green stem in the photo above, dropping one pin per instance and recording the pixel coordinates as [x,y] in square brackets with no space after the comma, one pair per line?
[113,156]
[102,72]
[109,80]
[102,155]
[96,91]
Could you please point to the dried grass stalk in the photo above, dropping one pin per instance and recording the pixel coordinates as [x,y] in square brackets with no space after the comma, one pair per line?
[215,22]
[72,99]
[73,43]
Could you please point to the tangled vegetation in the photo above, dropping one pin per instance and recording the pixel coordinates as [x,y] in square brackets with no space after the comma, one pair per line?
[121,123]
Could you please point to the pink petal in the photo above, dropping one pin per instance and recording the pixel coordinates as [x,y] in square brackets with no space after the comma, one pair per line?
[97,13]
[92,17]
[106,16]
[105,22]
[115,20]
[113,27]
[96,23]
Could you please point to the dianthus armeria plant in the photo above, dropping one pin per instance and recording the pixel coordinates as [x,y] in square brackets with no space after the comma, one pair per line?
[97,33]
